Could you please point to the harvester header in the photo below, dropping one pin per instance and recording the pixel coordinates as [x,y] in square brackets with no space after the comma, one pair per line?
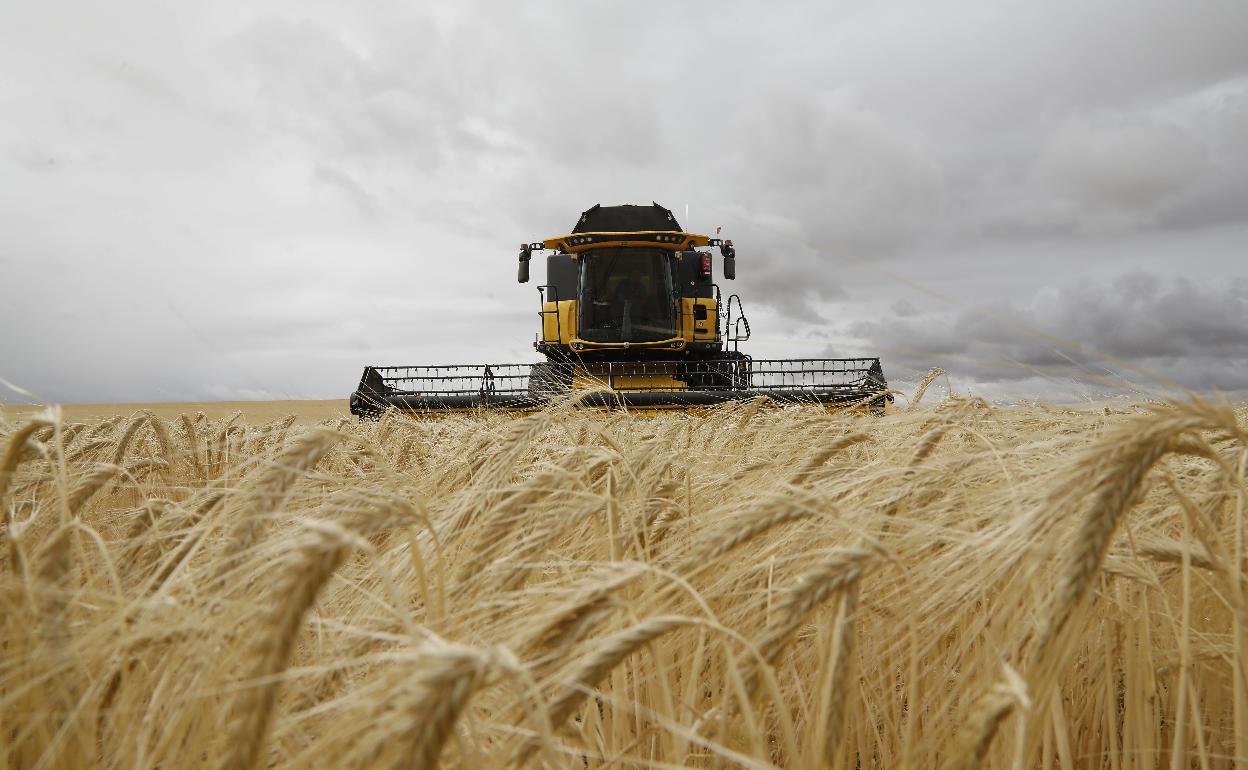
[630,304]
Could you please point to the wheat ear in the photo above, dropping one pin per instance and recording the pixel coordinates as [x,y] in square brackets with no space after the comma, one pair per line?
[767,514]
[642,532]
[89,485]
[13,455]
[839,570]
[606,656]
[928,379]
[71,432]
[296,591]
[1136,448]
[842,659]
[495,531]
[119,452]
[984,719]
[192,442]
[161,430]
[1166,550]
[815,461]
[562,626]
[85,449]
[146,518]
[440,698]
[52,567]
[271,490]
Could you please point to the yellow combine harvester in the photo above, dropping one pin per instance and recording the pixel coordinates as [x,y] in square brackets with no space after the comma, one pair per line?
[630,303]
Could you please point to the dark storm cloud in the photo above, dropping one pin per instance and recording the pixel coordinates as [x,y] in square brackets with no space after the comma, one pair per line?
[314,183]
[1189,332]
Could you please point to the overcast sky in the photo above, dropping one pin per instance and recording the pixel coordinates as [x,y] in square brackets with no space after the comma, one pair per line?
[254,200]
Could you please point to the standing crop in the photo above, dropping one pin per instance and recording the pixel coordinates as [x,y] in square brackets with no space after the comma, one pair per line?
[957,586]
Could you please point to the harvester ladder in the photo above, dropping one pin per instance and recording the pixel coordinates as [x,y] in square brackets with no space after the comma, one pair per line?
[738,330]
[541,314]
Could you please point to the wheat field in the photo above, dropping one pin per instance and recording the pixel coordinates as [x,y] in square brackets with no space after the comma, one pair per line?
[955,586]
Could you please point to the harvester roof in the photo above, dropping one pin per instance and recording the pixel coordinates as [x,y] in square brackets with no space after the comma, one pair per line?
[627,226]
[626,219]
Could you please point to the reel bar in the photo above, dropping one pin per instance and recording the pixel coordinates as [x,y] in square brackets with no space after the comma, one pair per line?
[639,384]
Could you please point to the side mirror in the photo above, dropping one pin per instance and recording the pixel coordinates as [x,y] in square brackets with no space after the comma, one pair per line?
[730,260]
[526,253]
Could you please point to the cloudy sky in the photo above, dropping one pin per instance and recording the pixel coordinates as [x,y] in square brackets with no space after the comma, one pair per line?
[254,200]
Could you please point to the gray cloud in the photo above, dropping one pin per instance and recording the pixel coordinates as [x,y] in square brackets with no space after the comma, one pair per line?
[1140,326]
[1114,167]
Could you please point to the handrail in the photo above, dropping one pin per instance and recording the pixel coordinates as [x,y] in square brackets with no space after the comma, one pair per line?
[732,331]
[541,314]
[719,301]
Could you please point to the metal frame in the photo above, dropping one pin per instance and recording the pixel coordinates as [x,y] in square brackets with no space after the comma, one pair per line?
[718,380]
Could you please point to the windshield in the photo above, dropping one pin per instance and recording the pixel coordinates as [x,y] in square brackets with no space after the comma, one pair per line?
[626,296]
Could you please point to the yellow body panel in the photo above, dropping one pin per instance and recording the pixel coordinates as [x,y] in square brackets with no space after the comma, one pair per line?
[570,244]
[600,376]
[559,322]
[559,326]
[698,331]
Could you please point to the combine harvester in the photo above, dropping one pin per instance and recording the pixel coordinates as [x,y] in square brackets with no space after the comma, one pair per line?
[631,305]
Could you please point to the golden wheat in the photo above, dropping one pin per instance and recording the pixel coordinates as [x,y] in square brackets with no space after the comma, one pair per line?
[746,586]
